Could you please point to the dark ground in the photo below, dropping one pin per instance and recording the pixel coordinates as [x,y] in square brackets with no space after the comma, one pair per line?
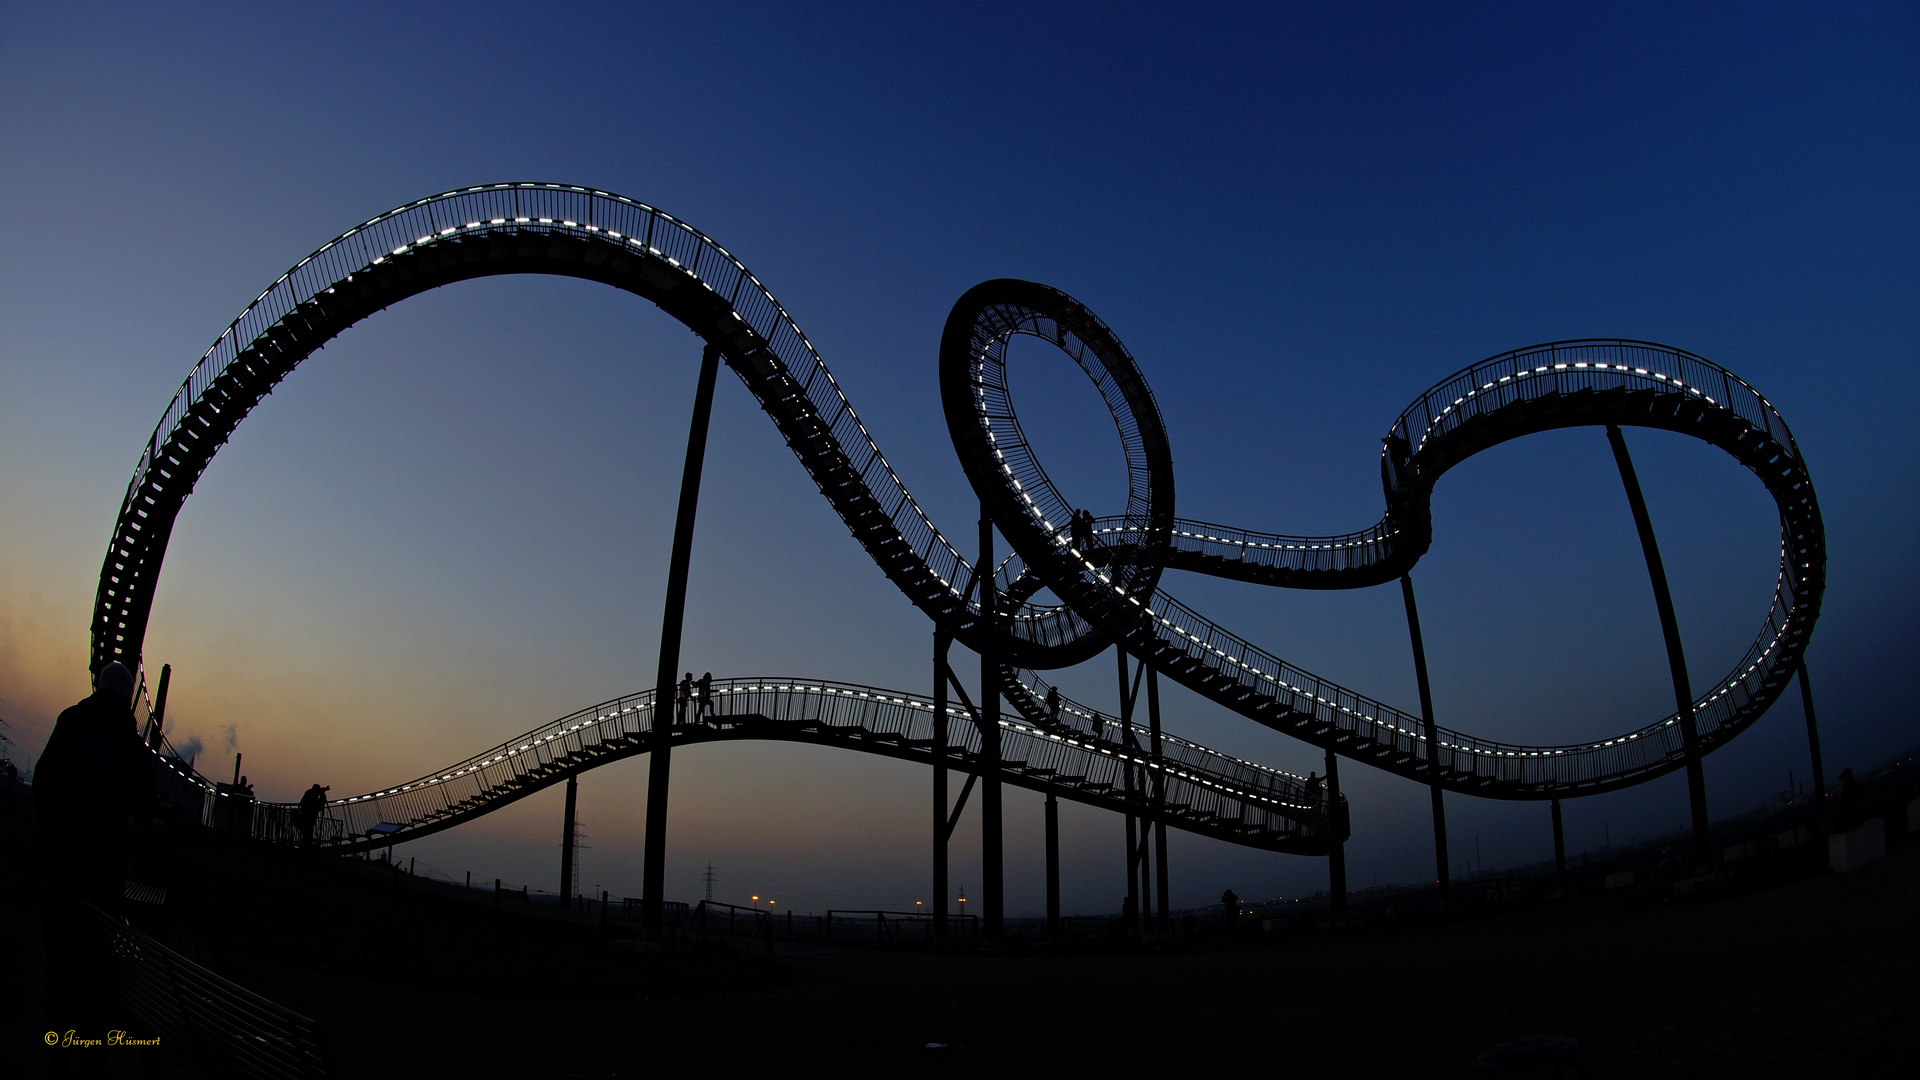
[1810,976]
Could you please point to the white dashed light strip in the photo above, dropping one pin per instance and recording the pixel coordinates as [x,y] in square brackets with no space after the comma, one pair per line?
[787,344]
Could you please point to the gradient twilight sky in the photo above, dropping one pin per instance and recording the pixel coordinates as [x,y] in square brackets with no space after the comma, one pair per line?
[451,524]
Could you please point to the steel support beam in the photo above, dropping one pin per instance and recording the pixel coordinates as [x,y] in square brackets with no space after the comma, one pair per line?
[157,722]
[1676,658]
[1559,849]
[566,843]
[1130,908]
[1159,804]
[941,641]
[1441,872]
[654,874]
[1337,854]
[992,864]
[1145,869]
[1053,868]
[1813,744]
[960,804]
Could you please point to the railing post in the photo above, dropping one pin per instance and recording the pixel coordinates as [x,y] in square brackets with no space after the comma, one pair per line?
[992,885]
[1676,659]
[1441,872]
[653,878]
[941,641]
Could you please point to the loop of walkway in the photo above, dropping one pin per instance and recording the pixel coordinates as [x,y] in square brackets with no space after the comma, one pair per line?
[1111,584]
[1110,593]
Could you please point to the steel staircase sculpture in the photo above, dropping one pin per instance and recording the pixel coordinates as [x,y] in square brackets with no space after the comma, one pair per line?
[1111,589]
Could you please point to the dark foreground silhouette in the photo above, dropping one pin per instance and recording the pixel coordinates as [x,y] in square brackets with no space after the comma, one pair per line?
[414,977]
[93,781]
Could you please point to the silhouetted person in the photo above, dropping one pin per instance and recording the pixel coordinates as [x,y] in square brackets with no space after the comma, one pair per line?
[1053,705]
[685,695]
[1393,463]
[1313,786]
[93,777]
[706,694]
[1230,903]
[1098,723]
[307,815]
[1851,805]
[1081,531]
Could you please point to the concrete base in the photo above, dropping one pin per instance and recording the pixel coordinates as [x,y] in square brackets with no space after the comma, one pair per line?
[1792,838]
[1620,880]
[1858,846]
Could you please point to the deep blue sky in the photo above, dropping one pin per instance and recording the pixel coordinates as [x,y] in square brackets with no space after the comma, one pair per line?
[451,524]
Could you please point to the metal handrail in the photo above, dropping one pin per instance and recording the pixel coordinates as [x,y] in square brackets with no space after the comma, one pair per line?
[225,1028]
[1205,791]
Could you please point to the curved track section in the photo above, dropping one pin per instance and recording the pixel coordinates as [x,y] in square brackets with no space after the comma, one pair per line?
[572,232]
[1207,793]
[1565,384]
[1110,590]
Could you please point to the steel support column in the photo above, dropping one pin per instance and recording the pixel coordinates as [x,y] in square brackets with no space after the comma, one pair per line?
[1337,856]
[1159,804]
[941,641]
[1559,849]
[1813,744]
[1053,868]
[1130,909]
[654,873]
[992,868]
[1145,873]
[157,721]
[1441,872]
[1676,659]
[566,843]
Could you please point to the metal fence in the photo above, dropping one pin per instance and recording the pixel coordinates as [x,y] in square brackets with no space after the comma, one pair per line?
[226,1029]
